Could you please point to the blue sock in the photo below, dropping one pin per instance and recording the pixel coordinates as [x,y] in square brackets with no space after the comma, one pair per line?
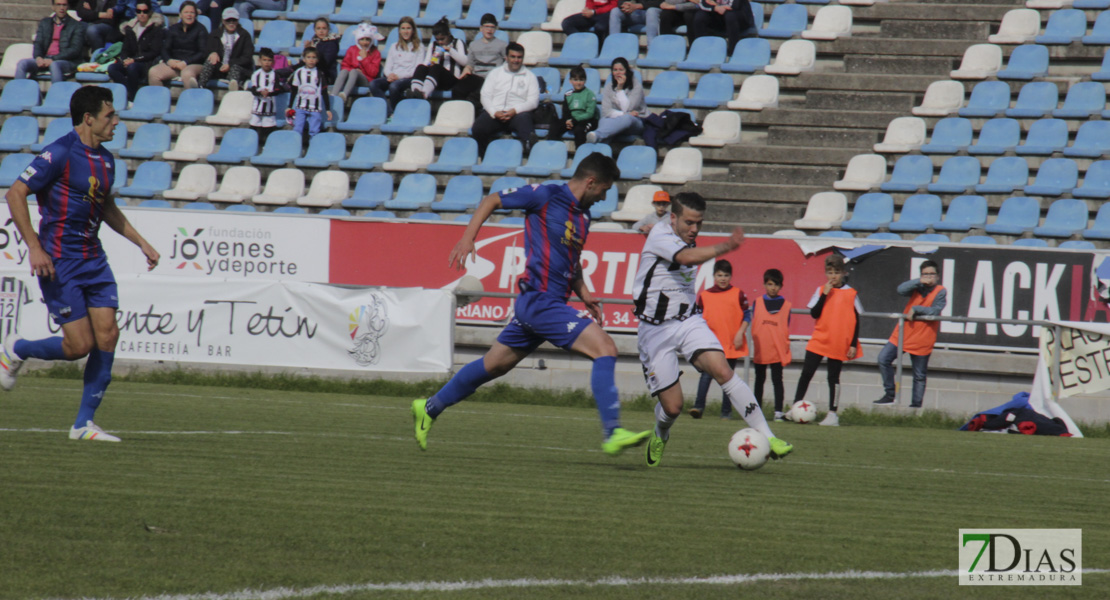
[463,384]
[98,374]
[47,348]
[605,393]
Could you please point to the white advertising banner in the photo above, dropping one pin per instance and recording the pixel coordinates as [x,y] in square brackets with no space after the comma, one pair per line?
[259,323]
[224,245]
[1084,366]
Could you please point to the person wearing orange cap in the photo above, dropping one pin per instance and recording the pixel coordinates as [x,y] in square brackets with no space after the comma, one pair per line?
[662,204]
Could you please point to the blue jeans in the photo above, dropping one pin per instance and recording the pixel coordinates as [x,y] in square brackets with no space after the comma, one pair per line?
[248,7]
[133,76]
[96,35]
[619,21]
[392,92]
[611,127]
[920,364]
[315,122]
[27,69]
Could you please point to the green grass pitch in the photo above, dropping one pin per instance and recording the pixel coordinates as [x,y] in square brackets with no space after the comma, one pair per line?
[216,491]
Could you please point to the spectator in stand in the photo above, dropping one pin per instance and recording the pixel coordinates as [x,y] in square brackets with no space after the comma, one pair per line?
[246,8]
[404,56]
[326,44]
[230,54]
[361,64]
[142,47]
[733,16]
[661,202]
[59,46]
[443,63]
[581,109]
[673,15]
[264,85]
[622,104]
[636,12]
[509,95]
[125,10]
[310,97]
[100,22]
[595,16]
[183,51]
[483,55]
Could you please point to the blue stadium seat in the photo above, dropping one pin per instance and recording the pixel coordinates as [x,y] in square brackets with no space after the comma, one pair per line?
[882,235]
[281,147]
[151,102]
[919,212]
[1096,182]
[637,162]
[501,156]
[290,210]
[369,152]
[192,106]
[152,139]
[1103,74]
[593,83]
[1045,137]
[354,11]
[279,36]
[1065,218]
[241,208]
[1063,27]
[348,40]
[463,193]
[371,191]
[549,78]
[200,206]
[706,53]
[174,8]
[1076,245]
[310,10]
[1005,175]
[606,207]
[1099,230]
[19,95]
[1030,243]
[236,147]
[512,221]
[151,178]
[664,52]
[979,240]
[578,48]
[308,34]
[457,154]
[911,173]
[464,218]
[18,133]
[582,152]
[525,15]
[1026,62]
[325,149]
[205,22]
[950,135]
[964,214]
[1085,99]
[1091,141]
[1017,215]
[932,238]
[787,21]
[335,212]
[477,8]
[56,129]
[410,115]
[271,14]
[1054,177]
[155,204]
[425,216]
[506,182]
[714,90]
[437,9]
[546,157]
[380,214]
[119,95]
[1100,31]
[988,98]
[1035,100]
[749,55]
[119,178]
[836,234]
[415,191]
[56,102]
[119,138]
[957,175]
[1091,4]
[871,212]
[617,44]
[12,167]
[365,114]
[668,89]
[998,136]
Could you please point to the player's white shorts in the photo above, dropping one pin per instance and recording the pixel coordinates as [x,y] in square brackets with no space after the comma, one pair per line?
[263,121]
[660,346]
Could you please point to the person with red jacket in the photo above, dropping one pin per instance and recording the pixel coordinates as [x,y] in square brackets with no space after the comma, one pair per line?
[361,64]
[927,297]
[595,16]
[725,309]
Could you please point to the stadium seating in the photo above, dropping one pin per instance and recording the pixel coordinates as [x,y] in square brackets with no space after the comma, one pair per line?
[713,90]
[12,55]
[585,150]
[150,140]
[665,51]
[18,133]
[193,143]
[1103,74]
[463,193]
[12,166]
[381,214]
[537,47]
[369,152]
[1026,62]
[617,44]
[749,56]
[119,178]
[830,23]
[290,210]
[919,212]
[720,127]
[964,214]
[371,191]
[527,14]
[756,93]
[637,203]
[193,183]
[980,62]
[324,150]
[477,8]
[457,154]
[1005,175]
[502,156]
[235,110]
[864,173]
[1045,137]
[437,9]
[1085,99]
[409,116]
[1076,245]
[997,136]
[192,106]
[1099,230]
[988,98]
[56,102]
[911,173]
[950,135]
[668,89]
[272,14]
[824,211]
[871,212]
[151,102]
[151,179]
[282,147]
[958,174]
[512,221]
[1066,217]
[680,165]
[1018,26]
[1096,182]
[903,134]
[942,98]
[1091,141]
[794,57]
[603,209]
[155,203]
[413,154]
[932,238]
[980,240]
[705,54]
[56,129]
[1017,215]
[19,95]
[353,12]
[546,158]
[837,234]
[578,48]
[239,184]
[452,118]
[1063,27]
[328,188]
[199,206]
[504,183]
[1030,243]
[119,138]
[393,10]
[562,10]
[283,186]
[1035,100]
[365,114]
[334,212]
[787,21]
[1055,176]
[237,146]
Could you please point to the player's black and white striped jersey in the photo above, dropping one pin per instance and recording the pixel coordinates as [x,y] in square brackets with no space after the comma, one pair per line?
[664,289]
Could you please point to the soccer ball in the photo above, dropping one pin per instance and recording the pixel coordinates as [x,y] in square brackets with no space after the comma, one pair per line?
[803,412]
[749,449]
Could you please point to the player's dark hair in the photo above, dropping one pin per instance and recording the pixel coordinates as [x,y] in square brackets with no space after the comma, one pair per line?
[514,47]
[834,261]
[722,266]
[442,27]
[488,18]
[577,72]
[311,51]
[187,4]
[88,99]
[265,53]
[620,60]
[601,167]
[684,200]
[774,276]
[930,263]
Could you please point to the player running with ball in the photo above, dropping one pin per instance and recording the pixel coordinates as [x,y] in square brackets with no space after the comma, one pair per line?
[670,323]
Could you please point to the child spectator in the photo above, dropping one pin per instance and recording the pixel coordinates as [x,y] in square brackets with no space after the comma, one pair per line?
[310,96]
[836,307]
[404,56]
[771,338]
[326,44]
[443,64]
[661,201]
[483,55]
[264,84]
[581,106]
[361,64]
[725,309]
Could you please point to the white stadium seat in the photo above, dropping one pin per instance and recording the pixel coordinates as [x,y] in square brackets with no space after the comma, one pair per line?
[719,128]
[941,98]
[980,61]
[12,56]
[454,117]
[537,47]
[328,189]
[193,143]
[283,187]
[235,109]
[193,183]
[637,203]
[864,172]
[903,134]
[679,166]
[756,93]
[794,57]
[830,23]
[1018,26]
[238,185]
[606,227]
[562,10]
[413,153]
[825,209]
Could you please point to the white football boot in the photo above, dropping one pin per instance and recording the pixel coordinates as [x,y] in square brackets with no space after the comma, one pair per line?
[10,363]
[92,433]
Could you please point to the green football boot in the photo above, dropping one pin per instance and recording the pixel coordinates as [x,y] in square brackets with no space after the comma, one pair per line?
[655,448]
[621,439]
[779,448]
[422,422]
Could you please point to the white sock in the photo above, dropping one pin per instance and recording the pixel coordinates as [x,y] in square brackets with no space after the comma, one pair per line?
[663,422]
[743,402]
[418,86]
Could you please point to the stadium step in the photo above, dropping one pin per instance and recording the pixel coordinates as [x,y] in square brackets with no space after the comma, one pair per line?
[754,217]
[897,46]
[784,193]
[871,82]
[807,117]
[777,174]
[900,65]
[825,137]
[945,30]
[869,101]
[767,154]
[936,11]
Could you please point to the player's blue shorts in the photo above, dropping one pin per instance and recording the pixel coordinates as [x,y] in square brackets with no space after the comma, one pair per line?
[538,317]
[78,284]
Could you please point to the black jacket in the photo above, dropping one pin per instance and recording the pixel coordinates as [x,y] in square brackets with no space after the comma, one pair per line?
[188,46]
[242,53]
[71,43]
[145,49]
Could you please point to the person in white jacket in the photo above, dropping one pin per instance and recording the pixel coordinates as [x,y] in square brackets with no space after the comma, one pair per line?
[400,65]
[509,95]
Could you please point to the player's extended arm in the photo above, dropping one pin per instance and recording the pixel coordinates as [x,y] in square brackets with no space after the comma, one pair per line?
[578,285]
[696,256]
[41,265]
[465,246]
[115,219]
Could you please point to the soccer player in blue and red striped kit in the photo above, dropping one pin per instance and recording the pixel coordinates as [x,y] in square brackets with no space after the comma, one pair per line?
[72,180]
[556,223]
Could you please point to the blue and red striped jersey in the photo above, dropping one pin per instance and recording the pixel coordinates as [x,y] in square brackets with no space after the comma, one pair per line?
[555,228]
[72,182]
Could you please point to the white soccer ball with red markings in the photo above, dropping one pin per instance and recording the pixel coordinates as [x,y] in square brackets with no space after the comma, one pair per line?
[749,449]
[803,412]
